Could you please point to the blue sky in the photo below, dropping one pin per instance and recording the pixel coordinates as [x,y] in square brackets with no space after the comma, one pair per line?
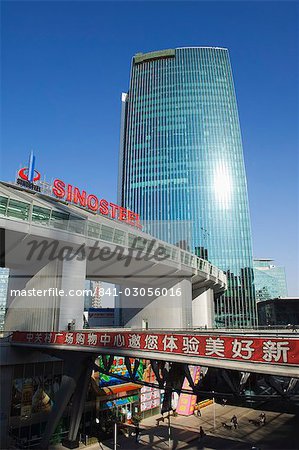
[65,64]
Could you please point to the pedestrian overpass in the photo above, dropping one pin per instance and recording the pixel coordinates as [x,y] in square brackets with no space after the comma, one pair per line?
[259,352]
[228,361]
[54,246]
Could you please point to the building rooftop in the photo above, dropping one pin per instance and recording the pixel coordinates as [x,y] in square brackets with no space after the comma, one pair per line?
[167,53]
[263,259]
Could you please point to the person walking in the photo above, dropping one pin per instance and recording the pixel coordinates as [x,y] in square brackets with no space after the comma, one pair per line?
[137,433]
[234,421]
[201,432]
[197,411]
[262,418]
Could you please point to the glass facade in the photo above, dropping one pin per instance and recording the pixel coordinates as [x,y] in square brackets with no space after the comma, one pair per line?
[270,280]
[182,168]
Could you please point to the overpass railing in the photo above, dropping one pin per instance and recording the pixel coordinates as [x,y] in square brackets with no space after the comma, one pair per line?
[256,330]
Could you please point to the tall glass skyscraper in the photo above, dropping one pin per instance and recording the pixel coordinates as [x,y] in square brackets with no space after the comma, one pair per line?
[181,165]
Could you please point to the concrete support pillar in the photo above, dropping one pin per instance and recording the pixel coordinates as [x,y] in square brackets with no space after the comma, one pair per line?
[31,306]
[62,397]
[173,310]
[203,309]
[54,296]
[74,382]
[78,404]
[73,275]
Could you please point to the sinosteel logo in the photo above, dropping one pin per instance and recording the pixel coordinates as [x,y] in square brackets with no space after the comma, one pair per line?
[29,173]
[24,174]
[28,176]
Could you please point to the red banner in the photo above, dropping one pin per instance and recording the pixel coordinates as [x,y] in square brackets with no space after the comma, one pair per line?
[268,349]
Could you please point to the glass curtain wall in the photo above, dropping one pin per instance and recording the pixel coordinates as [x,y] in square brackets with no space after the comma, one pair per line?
[182,166]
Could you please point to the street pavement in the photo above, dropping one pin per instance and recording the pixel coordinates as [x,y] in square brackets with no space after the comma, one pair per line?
[281,432]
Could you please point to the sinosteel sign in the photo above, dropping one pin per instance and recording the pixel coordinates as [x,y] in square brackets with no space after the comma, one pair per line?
[29,178]
[90,201]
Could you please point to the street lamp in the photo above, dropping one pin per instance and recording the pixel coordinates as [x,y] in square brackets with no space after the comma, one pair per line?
[169,431]
[115,436]
[214,409]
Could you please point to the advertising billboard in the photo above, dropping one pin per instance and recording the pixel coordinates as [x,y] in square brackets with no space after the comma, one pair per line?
[118,368]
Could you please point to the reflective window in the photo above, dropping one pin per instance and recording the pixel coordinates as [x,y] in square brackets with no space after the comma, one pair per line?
[59,220]
[41,215]
[76,225]
[119,237]
[137,242]
[93,229]
[106,233]
[3,205]
[18,210]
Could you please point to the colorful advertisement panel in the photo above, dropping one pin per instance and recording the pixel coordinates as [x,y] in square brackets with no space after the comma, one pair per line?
[118,368]
[186,401]
[149,398]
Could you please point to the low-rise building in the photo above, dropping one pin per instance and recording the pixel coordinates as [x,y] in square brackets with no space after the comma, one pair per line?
[279,311]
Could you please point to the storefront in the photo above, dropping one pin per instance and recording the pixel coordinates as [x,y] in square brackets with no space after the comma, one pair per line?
[126,403]
[121,401]
[33,389]
[150,401]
